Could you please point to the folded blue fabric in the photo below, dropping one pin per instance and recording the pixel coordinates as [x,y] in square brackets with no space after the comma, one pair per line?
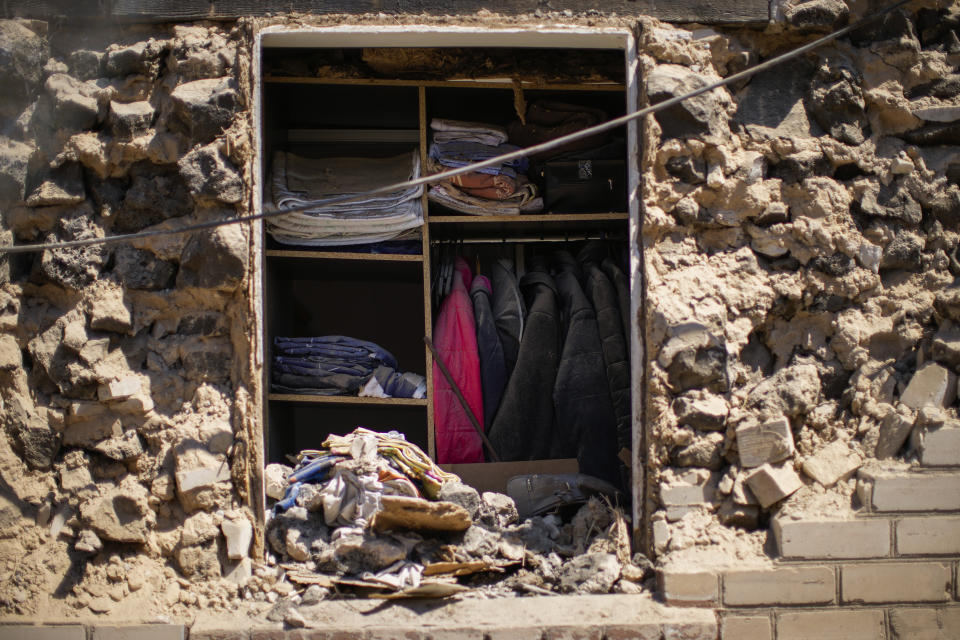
[460,154]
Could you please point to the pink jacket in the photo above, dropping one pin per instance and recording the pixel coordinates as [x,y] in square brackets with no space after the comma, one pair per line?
[455,338]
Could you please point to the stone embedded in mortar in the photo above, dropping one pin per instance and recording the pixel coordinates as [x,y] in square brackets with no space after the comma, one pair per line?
[887,201]
[833,463]
[127,120]
[688,491]
[769,107]
[732,514]
[138,58]
[689,169]
[835,99]
[73,104]
[772,484]
[947,302]
[791,391]
[109,311]
[155,193]
[119,389]
[122,448]
[940,133]
[705,450]
[216,435]
[200,561]
[62,185]
[702,117]
[946,345]
[905,252]
[762,442]
[75,268]
[85,64]
[694,359]
[931,384]
[34,439]
[14,161]
[238,533]
[119,513]
[90,422]
[207,360]
[203,479]
[211,176]
[215,259]
[203,109]
[701,410]
[22,56]
[815,15]
[139,269]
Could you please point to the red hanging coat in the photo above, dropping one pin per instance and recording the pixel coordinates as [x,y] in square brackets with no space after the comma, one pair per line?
[455,338]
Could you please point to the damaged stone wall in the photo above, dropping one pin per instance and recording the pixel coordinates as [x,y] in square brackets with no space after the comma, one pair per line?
[125,369]
[800,256]
[800,245]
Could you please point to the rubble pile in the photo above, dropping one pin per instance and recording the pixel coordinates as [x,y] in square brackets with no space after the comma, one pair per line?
[372,515]
[801,257]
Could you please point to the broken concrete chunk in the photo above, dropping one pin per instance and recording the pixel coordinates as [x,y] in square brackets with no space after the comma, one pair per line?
[123,448]
[86,433]
[590,573]
[202,109]
[701,410]
[772,484]
[931,384]
[759,443]
[121,514]
[831,464]
[360,553]
[463,495]
[211,176]
[417,514]
[109,312]
[275,480]
[203,479]
[702,117]
[87,542]
[689,491]
[946,346]
[119,389]
[694,359]
[894,431]
[217,435]
[502,508]
[705,450]
[745,516]
[238,533]
[61,186]
[130,119]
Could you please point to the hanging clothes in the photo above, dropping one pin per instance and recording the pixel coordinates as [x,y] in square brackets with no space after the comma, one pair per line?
[622,285]
[509,311]
[493,369]
[455,339]
[586,426]
[603,296]
[524,425]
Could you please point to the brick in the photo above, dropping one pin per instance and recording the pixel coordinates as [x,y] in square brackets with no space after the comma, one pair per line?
[511,633]
[896,582]
[818,539]
[573,633]
[895,428]
[633,632]
[935,535]
[908,492]
[695,588]
[832,463]
[690,630]
[931,384]
[925,624]
[219,634]
[759,443]
[23,632]
[780,585]
[941,447]
[746,628]
[772,484]
[140,632]
[836,624]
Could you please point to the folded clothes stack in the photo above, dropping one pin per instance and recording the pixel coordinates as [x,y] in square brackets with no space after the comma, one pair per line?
[318,182]
[498,190]
[338,366]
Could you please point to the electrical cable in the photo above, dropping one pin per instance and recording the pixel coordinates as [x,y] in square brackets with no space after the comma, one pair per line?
[444,175]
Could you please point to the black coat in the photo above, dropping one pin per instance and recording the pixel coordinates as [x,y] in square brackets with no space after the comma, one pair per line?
[586,426]
[524,425]
[508,311]
[493,371]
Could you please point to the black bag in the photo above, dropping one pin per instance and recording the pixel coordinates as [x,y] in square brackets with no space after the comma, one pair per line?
[585,185]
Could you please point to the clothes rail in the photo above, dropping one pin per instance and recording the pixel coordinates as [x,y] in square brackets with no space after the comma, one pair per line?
[525,240]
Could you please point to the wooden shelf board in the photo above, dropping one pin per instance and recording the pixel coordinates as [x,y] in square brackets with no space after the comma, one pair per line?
[465,83]
[347,400]
[539,217]
[334,255]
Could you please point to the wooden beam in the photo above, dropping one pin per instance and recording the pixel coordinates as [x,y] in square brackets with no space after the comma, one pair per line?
[715,12]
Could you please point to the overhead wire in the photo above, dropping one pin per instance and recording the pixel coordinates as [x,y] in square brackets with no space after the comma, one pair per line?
[490,162]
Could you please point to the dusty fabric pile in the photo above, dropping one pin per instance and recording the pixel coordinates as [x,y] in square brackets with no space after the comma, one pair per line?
[340,365]
[318,182]
[499,190]
[371,515]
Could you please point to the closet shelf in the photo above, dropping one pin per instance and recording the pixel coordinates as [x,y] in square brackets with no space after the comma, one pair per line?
[493,83]
[347,400]
[336,255]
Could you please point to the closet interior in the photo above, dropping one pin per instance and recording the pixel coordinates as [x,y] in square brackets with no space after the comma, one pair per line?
[380,271]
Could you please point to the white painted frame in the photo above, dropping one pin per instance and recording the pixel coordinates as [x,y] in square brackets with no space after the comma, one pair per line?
[541,37]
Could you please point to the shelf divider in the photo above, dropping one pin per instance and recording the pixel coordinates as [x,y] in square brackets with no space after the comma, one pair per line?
[347,400]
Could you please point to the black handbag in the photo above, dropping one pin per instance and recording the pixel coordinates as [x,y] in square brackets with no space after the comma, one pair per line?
[584,185]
